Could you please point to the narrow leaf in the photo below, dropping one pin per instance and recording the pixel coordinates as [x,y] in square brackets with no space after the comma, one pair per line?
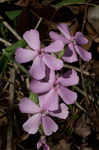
[13,14]
[8,53]
[11,49]
[60,54]
[68,2]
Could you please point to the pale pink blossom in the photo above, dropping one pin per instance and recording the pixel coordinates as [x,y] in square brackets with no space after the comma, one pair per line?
[41,115]
[41,57]
[73,44]
[57,87]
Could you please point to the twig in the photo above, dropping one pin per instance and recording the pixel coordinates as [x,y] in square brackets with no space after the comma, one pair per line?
[27,83]
[10,29]
[84,18]
[5,87]
[45,21]
[10,111]
[80,107]
[83,93]
[5,42]
[38,23]
[20,146]
[77,69]
[80,62]
[83,81]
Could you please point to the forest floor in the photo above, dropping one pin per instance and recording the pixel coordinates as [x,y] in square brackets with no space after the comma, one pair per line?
[80,131]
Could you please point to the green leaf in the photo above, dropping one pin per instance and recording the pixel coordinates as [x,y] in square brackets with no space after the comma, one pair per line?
[70,106]
[11,49]
[41,129]
[34,97]
[8,53]
[69,2]
[13,14]
[75,116]
[60,54]
[23,69]
[3,31]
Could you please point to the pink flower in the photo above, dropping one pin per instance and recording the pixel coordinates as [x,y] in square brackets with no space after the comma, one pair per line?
[40,56]
[57,86]
[41,115]
[42,143]
[73,44]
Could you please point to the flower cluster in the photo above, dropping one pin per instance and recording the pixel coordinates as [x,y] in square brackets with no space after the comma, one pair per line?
[51,87]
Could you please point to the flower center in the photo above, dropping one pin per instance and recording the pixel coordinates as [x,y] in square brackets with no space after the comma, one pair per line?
[73,40]
[56,85]
[39,52]
[44,112]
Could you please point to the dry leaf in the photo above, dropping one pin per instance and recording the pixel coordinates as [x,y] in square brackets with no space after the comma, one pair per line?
[74,27]
[96,39]
[90,30]
[62,145]
[96,67]
[93,17]
[2,1]
[92,33]
[82,128]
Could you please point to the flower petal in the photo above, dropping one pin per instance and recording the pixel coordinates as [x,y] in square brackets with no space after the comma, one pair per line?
[46,147]
[54,47]
[37,71]
[68,96]
[69,78]
[63,114]
[52,77]
[86,56]
[32,38]
[28,106]
[80,39]
[55,36]
[42,87]
[52,62]
[42,143]
[49,125]
[23,55]
[65,30]
[32,124]
[39,87]
[70,55]
[49,101]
